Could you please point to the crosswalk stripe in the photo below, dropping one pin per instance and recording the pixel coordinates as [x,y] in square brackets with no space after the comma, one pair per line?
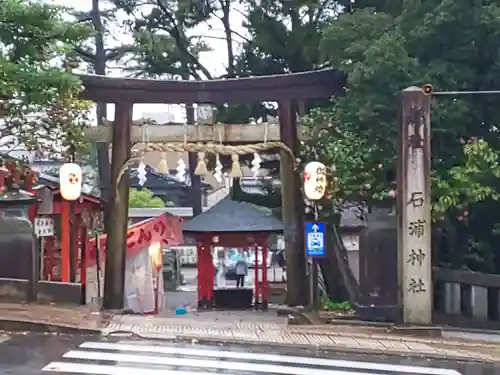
[133,358]
[199,363]
[268,358]
[84,368]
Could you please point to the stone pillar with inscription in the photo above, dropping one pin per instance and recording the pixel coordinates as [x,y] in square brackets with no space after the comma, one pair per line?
[414,209]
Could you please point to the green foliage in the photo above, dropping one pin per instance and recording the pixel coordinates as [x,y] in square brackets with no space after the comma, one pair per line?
[384,47]
[424,42]
[33,34]
[354,170]
[37,90]
[162,44]
[144,198]
[284,35]
[328,305]
[54,128]
[476,180]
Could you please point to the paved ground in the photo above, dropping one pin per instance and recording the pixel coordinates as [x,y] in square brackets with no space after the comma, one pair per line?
[36,354]
[338,338]
[82,318]
[186,294]
[250,328]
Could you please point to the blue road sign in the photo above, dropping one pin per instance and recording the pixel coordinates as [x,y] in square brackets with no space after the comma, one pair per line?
[315,233]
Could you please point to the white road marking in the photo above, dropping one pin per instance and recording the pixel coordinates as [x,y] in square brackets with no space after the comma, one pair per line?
[4,338]
[83,368]
[312,361]
[135,358]
[200,363]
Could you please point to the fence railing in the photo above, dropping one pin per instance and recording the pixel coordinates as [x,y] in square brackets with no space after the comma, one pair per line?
[466,299]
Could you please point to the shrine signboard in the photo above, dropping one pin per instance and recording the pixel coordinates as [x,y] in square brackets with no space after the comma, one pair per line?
[43,226]
[165,229]
[415,209]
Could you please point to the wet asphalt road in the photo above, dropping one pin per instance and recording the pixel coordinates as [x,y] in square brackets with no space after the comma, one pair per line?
[30,354]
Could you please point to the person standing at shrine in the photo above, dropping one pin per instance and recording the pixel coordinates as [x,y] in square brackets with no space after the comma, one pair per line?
[281,260]
[241,269]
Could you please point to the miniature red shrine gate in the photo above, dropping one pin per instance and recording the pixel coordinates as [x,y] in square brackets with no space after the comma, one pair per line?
[86,205]
[232,224]
[210,296]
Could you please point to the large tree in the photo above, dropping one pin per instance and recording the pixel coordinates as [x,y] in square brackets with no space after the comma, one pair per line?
[163,46]
[38,92]
[98,56]
[383,47]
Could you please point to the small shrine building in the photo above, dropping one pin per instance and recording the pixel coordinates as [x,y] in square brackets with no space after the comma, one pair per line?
[232,224]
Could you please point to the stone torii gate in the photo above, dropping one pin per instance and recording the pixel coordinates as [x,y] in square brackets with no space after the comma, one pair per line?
[288,90]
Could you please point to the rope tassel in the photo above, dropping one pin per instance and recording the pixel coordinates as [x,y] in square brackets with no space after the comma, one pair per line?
[201,168]
[163,166]
[236,167]
[200,148]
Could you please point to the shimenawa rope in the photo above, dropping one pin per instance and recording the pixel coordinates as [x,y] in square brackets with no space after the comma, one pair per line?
[199,147]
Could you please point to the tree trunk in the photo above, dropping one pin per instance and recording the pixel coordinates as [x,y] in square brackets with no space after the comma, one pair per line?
[226,9]
[195,192]
[103,164]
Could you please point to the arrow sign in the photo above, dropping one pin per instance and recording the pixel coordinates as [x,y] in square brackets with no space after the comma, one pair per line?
[315,239]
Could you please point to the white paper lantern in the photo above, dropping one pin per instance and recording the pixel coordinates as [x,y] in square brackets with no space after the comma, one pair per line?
[70,181]
[314,180]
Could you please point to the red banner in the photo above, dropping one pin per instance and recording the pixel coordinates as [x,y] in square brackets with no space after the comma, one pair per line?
[165,229]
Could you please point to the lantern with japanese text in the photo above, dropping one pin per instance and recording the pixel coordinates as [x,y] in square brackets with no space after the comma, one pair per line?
[155,252]
[314,180]
[70,180]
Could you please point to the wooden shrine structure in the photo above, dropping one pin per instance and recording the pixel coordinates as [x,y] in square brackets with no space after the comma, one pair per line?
[228,133]
[64,253]
[232,224]
[287,90]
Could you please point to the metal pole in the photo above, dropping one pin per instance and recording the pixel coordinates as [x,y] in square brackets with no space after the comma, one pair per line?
[465,92]
[72,240]
[42,256]
[33,283]
[72,235]
[98,267]
[314,269]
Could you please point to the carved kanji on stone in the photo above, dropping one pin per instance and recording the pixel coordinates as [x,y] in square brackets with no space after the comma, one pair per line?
[416,120]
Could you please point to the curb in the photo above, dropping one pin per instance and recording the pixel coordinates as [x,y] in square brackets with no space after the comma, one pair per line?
[304,318]
[430,331]
[310,347]
[17,325]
